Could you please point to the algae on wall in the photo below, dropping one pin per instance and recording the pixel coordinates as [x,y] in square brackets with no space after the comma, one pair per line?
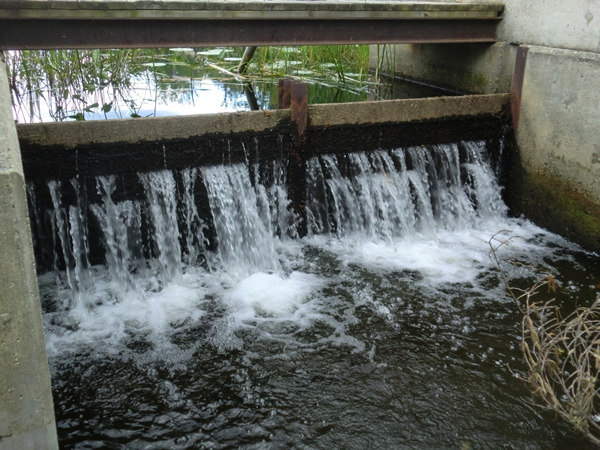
[552,203]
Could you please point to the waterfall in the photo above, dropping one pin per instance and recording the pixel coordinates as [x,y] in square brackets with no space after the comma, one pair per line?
[121,230]
[387,195]
[189,313]
[162,207]
[381,196]
[70,232]
[245,219]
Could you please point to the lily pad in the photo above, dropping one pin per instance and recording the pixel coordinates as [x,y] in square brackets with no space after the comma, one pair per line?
[211,52]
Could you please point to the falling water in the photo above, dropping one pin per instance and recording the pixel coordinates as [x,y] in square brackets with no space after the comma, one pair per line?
[162,206]
[379,197]
[385,327]
[121,229]
[241,228]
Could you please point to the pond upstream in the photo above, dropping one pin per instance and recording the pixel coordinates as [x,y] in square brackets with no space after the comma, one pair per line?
[93,85]
[386,327]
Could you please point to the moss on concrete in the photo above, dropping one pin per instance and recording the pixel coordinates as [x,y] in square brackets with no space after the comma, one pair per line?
[452,78]
[554,204]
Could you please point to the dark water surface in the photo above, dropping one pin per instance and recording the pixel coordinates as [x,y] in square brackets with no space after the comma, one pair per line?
[392,333]
[373,360]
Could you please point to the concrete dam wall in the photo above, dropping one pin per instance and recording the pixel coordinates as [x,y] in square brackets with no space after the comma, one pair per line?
[74,155]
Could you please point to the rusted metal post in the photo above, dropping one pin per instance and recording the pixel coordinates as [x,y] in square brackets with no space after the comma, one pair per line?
[297,161]
[284,94]
[516,89]
[299,111]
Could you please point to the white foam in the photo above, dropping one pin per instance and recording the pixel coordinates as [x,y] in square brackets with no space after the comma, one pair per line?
[442,256]
[272,294]
[141,311]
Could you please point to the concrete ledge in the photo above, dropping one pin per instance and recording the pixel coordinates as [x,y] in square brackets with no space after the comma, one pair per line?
[252,10]
[69,135]
[129,131]
[407,110]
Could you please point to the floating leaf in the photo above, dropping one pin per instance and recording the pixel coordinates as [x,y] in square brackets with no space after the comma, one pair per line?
[211,52]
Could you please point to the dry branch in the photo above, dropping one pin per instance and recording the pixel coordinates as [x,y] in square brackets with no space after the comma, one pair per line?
[562,353]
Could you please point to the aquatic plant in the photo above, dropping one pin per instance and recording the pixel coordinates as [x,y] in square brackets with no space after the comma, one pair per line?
[72,82]
[562,353]
[80,84]
[386,61]
[329,61]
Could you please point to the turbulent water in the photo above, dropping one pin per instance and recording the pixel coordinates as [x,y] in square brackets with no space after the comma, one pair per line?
[385,327]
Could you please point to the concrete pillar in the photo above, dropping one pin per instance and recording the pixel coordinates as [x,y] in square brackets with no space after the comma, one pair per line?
[556,182]
[26,407]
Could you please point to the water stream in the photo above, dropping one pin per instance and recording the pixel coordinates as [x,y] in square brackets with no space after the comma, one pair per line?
[385,327]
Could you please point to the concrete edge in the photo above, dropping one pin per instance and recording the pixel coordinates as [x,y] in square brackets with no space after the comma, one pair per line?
[73,134]
[236,10]
[26,406]
[243,15]
[571,53]
[10,153]
[407,110]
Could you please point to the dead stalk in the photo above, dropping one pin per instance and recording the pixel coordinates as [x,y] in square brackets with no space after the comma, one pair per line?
[562,353]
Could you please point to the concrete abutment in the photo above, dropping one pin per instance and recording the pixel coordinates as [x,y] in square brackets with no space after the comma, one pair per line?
[26,407]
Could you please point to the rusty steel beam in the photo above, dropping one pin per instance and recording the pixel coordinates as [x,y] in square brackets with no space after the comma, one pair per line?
[516,89]
[22,34]
[299,111]
[284,93]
